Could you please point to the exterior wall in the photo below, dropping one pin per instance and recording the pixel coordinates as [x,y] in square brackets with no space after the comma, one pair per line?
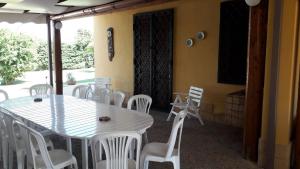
[286,84]
[192,66]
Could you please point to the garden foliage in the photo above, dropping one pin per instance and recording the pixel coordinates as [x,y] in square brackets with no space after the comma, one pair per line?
[20,53]
[15,55]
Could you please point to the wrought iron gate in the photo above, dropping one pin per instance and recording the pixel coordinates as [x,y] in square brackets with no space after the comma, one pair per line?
[153,56]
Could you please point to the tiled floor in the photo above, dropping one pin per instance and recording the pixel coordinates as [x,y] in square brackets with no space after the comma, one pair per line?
[213,146]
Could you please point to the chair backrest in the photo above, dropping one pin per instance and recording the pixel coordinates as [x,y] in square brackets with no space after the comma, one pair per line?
[103,82]
[4,131]
[4,94]
[116,147]
[20,136]
[35,138]
[176,133]
[142,103]
[40,90]
[80,91]
[118,98]
[6,128]
[195,96]
[101,95]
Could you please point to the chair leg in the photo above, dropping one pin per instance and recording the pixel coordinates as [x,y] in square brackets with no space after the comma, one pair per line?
[169,117]
[131,151]
[146,164]
[5,155]
[176,163]
[10,157]
[188,115]
[20,160]
[75,166]
[200,119]
[146,138]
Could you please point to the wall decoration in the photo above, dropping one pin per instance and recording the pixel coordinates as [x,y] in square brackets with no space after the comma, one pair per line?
[110,40]
[201,35]
[189,42]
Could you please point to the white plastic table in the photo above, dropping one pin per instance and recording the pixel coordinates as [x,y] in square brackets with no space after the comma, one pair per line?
[77,118]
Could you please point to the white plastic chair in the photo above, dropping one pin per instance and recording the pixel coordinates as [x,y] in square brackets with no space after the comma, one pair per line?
[100,82]
[41,90]
[103,82]
[20,140]
[3,97]
[165,152]
[9,144]
[192,103]
[101,95]
[12,143]
[141,102]
[4,94]
[118,98]
[116,148]
[80,91]
[53,159]
[5,146]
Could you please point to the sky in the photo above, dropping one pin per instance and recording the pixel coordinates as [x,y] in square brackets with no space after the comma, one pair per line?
[39,31]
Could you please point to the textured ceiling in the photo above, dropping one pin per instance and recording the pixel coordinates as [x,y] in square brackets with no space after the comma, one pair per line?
[85,3]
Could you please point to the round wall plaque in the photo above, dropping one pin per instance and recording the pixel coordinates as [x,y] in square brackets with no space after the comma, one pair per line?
[189,42]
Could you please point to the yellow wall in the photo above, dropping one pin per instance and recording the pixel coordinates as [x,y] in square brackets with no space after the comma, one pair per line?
[287,68]
[286,74]
[265,112]
[192,66]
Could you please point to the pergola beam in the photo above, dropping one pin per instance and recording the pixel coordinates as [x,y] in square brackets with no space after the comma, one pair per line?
[257,41]
[110,7]
[50,66]
[58,60]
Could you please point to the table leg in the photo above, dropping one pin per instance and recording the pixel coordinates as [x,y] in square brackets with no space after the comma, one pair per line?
[84,151]
[69,147]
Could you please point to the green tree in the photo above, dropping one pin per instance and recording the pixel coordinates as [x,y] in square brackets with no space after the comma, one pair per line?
[82,39]
[15,55]
[75,56]
[70,57]
[41,60]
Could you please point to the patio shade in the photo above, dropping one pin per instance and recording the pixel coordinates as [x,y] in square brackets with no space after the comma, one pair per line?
[35,11]
[22,18]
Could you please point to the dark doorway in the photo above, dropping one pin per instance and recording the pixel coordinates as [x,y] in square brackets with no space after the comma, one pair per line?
[153,56]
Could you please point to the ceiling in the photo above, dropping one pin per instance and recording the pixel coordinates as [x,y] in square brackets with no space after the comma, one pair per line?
[47,6]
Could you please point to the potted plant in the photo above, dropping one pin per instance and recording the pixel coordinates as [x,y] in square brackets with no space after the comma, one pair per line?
[71,79]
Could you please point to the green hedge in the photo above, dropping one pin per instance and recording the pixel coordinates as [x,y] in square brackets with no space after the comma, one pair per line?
[20,53]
